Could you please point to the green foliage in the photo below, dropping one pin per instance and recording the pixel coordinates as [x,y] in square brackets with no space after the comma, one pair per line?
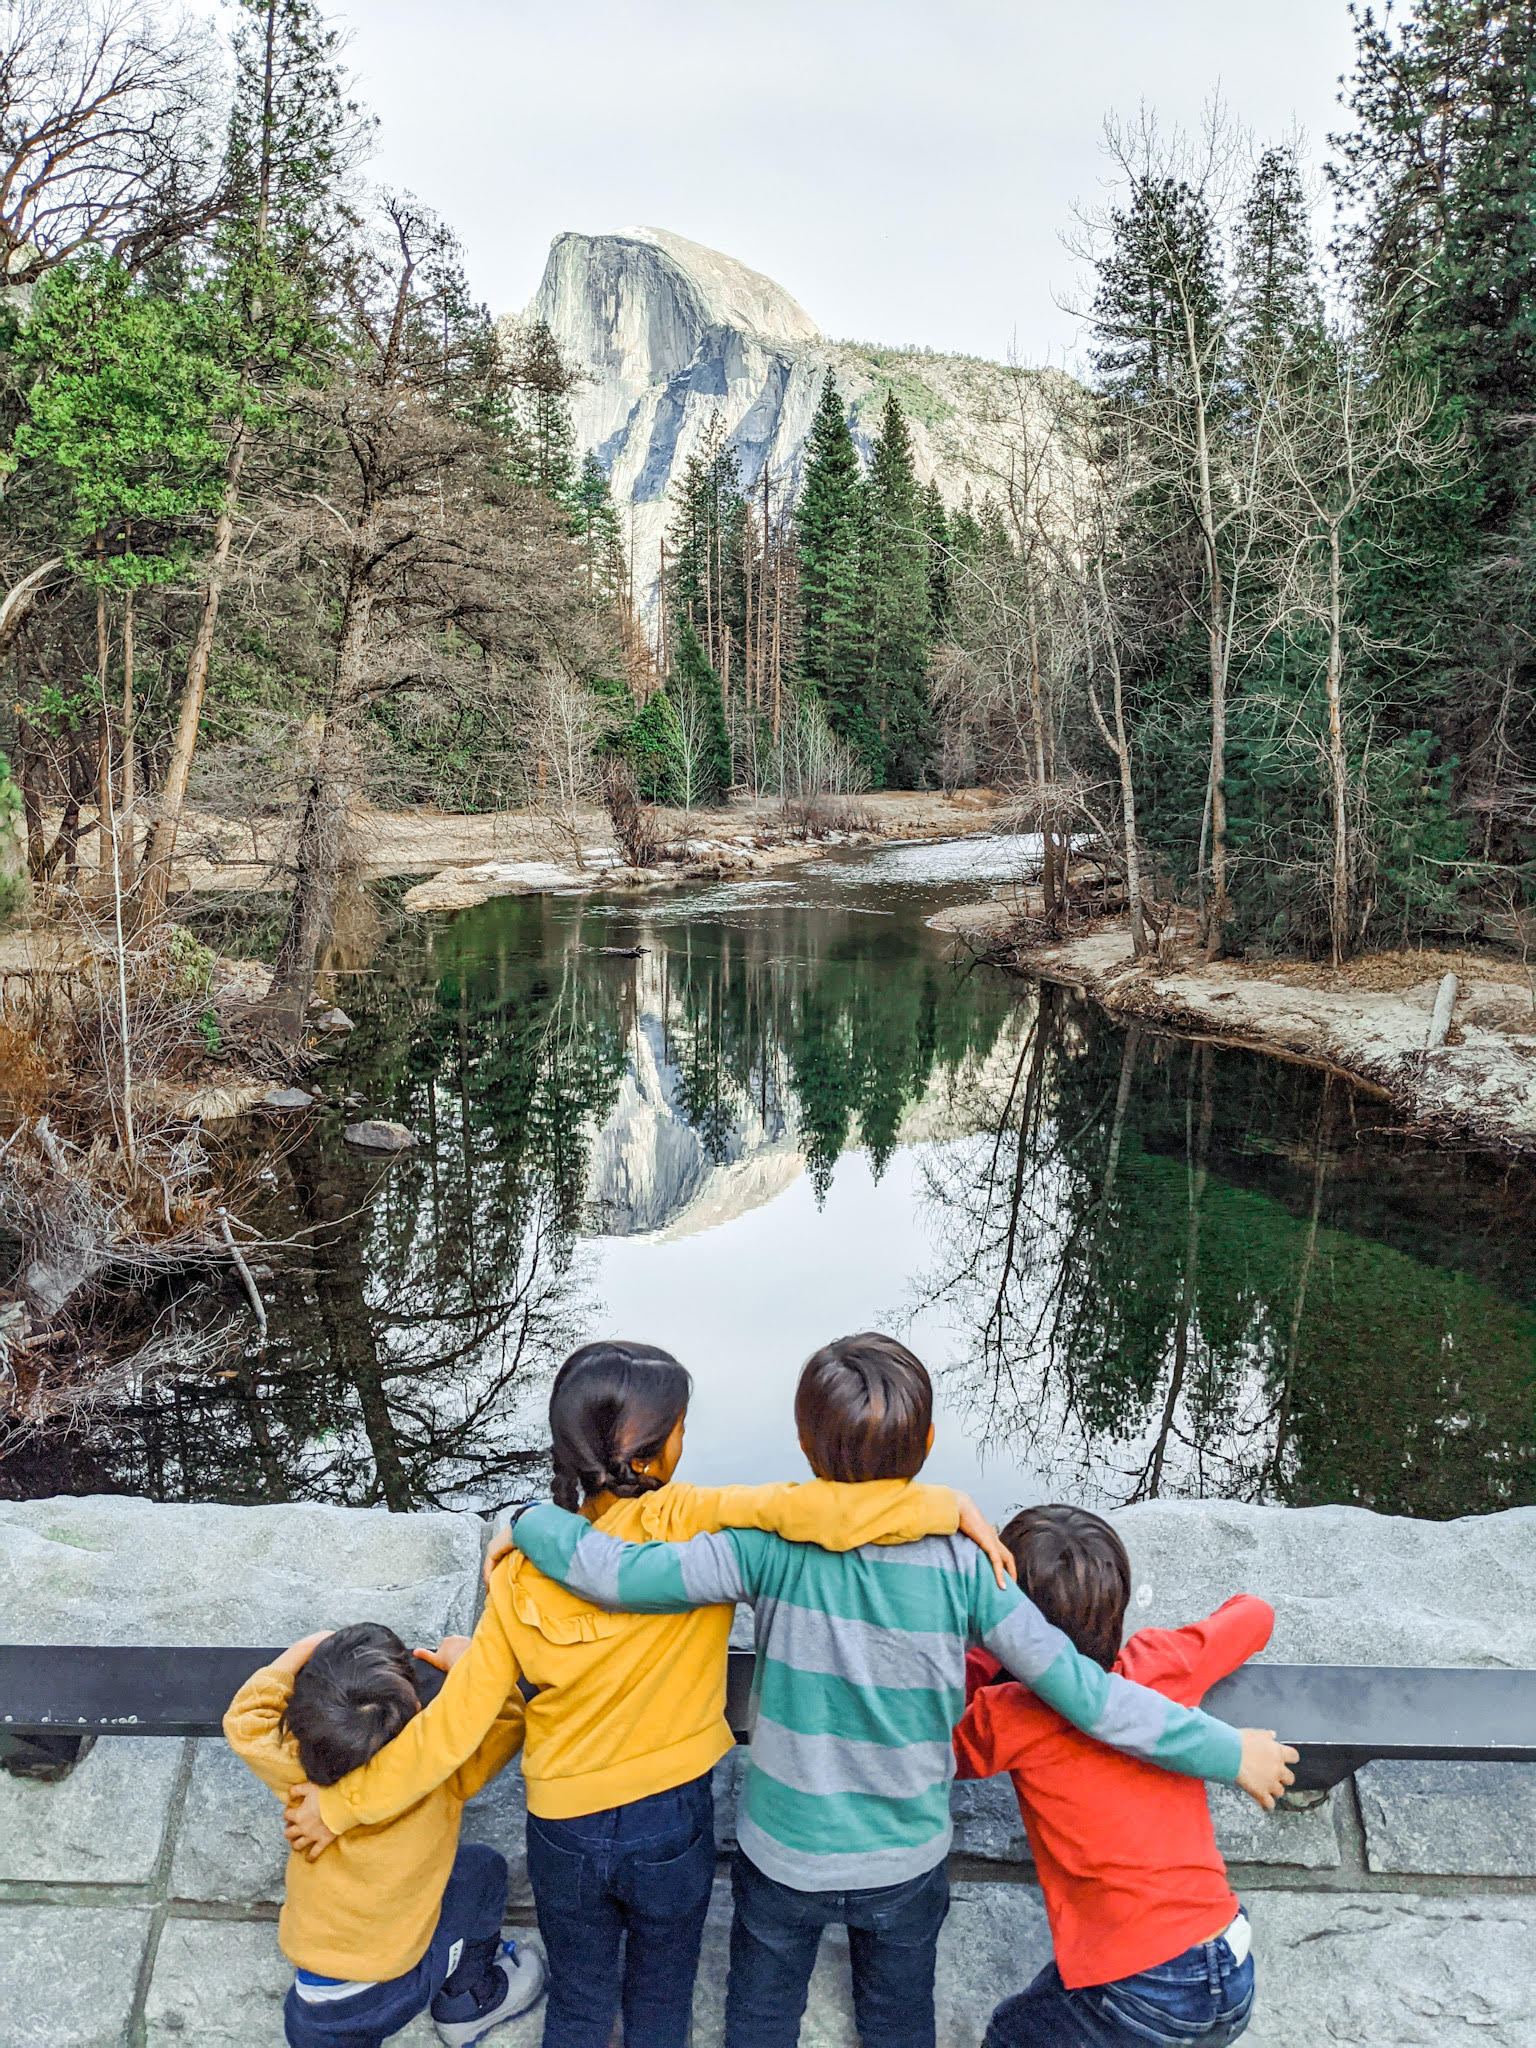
[895,571]
[595,523]
[541,435]
[829,529]
[190,962]
[652,744]
[123,403]
[703,753]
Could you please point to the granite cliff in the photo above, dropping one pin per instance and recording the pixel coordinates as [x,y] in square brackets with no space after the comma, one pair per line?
[667,333]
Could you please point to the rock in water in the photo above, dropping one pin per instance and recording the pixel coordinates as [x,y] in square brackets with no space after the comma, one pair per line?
[669,333]
[287,1099]
[376,1134]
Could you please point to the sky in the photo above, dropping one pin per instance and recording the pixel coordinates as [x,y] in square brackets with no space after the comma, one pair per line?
[905,168]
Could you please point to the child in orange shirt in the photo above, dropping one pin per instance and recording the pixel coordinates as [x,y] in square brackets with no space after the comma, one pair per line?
[1151,1944]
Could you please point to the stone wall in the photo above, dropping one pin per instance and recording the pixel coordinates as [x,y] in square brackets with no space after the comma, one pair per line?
[138,1897]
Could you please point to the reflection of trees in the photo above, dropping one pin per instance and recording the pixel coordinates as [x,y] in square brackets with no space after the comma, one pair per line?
[415,1321]
[836,1018]
[1183,1271]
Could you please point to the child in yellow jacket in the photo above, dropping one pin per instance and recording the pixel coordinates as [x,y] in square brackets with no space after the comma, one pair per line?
[628,1718]
[401,1917]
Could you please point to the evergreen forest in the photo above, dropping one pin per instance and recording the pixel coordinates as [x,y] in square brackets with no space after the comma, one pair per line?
[289,521]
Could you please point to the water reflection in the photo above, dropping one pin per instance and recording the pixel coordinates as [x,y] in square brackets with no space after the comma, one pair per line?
[1173,1270]
[1140,1266]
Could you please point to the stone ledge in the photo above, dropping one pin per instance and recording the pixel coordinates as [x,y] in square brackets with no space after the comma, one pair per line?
[1450,1819]
[103,1824]
[68,1976]
[105,1569]
[221,1984]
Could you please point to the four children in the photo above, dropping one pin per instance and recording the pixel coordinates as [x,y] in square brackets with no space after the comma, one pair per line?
[613,1613]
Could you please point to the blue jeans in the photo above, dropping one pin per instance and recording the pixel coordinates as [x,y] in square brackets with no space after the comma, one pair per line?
[621,1897]
[1202,1999]
[893,1939]
[474,1900]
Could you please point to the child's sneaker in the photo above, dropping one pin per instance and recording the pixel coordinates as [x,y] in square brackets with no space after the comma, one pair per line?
[520,1975]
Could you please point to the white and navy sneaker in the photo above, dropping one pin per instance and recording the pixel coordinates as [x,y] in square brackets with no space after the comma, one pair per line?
[522,1971]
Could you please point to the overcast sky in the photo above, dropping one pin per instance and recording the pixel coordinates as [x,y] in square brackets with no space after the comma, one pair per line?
[905,168]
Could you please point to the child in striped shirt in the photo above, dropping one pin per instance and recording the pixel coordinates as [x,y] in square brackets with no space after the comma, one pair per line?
[860,1680]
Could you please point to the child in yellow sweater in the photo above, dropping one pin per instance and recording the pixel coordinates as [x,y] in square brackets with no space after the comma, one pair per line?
[401,1917]
[629,1716]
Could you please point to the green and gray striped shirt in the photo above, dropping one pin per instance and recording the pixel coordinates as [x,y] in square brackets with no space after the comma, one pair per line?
[860,1680]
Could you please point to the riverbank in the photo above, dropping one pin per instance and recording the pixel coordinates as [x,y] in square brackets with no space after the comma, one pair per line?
[466,858]
[1369,1019]
[1400,1908]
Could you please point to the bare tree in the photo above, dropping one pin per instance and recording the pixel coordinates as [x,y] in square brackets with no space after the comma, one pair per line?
[1176,330]
[1345,437]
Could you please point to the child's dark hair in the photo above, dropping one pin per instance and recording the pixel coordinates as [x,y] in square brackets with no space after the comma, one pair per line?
[864,1407]
[612,1407]
[354,1693]
[1074,1567]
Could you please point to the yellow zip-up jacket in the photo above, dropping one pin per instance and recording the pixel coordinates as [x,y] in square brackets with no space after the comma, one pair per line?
[368,1908]
[627,1704]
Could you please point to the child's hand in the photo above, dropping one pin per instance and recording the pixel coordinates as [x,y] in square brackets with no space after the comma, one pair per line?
[973,1523]
[500,1546]
[306,1831]
[447,1653]
[1265,1772]
[298,1654]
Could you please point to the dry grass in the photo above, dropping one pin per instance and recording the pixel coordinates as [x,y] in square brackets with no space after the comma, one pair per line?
[111,1204]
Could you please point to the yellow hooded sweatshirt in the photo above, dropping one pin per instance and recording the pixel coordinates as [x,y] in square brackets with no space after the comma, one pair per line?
[627,1704]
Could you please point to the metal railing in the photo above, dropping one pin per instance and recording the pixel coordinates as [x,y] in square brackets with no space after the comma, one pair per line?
[1340,1716]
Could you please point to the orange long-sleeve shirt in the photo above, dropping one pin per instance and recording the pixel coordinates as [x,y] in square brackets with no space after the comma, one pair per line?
[1125,1853]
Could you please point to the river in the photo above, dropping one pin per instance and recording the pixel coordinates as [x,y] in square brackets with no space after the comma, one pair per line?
[738,1120]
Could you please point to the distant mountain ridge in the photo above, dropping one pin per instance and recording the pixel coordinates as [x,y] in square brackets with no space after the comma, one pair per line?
[668,332]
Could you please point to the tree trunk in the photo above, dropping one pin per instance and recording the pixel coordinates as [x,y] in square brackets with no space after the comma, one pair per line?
[322,832]
[1338,920]
[1216,650]
[125,849]
[1119,746]
[104,824]
[160,847]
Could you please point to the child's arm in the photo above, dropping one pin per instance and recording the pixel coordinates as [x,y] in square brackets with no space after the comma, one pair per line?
[253,1723]
[1112,1709]
[479,1691]
[821,1511]
[1216,1647]
[635,1578]
[507,1730]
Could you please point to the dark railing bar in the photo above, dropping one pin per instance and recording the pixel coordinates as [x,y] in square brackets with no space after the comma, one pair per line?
[1340,1716]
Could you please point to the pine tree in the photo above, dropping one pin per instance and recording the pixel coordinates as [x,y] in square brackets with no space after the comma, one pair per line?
[895,572]
[936,532]
[595,523]
[543,437]
[829,529]
[1274,276]
[1440,174]
[1161,271]
[704,549]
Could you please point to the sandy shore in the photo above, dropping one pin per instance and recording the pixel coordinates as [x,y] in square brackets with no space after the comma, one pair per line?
[1368,1019]
[467,858]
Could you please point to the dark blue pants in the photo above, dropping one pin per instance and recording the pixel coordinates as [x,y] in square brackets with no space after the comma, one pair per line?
[474,1900]
[893,1939]
[1202,1999]
[621,1898]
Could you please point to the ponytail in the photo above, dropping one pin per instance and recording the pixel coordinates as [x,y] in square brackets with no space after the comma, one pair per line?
[612,1408]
